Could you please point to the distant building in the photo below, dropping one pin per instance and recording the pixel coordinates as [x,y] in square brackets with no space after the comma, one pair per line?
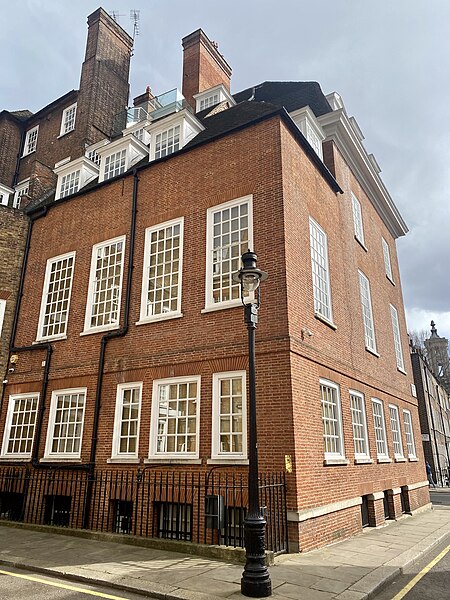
[434,413]
[125,402]
[438,359]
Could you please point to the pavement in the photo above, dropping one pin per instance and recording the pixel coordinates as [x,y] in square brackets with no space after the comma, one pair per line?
[353,569]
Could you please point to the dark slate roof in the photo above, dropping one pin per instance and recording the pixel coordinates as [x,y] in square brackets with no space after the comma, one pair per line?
[290,94]
[233,118]
[22,115]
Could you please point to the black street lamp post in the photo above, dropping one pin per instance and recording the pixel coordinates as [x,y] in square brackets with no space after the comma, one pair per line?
[255,580]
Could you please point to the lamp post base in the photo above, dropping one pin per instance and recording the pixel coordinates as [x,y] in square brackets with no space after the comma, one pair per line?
[255,582]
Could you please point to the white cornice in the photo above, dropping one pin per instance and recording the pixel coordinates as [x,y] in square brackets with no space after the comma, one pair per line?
[339,128]
[121,143]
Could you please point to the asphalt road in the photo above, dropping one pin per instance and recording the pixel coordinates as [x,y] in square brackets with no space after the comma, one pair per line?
[17,584]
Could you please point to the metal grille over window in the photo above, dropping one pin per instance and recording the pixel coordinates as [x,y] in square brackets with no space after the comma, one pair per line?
[395,428]
[231,415]
[164,270]
[129,424]
[230,239]
[397,339]
[23,419]
[366,305]
[177,418]
[167,142]
[380,431]
[57,297]
[359,425]
[69,184]
[320,273]
[68,423]
[107,285]
[115,164]
[409,435]
[331,418]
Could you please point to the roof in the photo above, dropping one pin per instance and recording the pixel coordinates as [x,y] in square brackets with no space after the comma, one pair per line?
[290,94]
[22,115]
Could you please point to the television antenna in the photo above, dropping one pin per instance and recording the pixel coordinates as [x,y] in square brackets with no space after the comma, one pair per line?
[135,16]
[115,15]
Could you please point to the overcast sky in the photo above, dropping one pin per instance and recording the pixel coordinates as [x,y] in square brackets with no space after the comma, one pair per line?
[388,59]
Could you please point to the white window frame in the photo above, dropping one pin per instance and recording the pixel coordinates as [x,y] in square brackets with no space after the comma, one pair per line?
[396,431]
[358,220]
[337,417]
[397,339]
[120,156]
[22,189]
[8,424]
[121,388]
[51,425]
[209,297]
[88,328]
[208,101]
[154,422]
[45,291]
[381,454]
[409,434]
[174,135]
[64,125]
[321,293]
[31,144]
[357,425]
[216,452]
[170,314]
[74,178]
[387,260]
[2,313]
[367,314]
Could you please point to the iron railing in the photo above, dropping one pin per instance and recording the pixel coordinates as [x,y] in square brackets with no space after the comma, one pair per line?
[202,507]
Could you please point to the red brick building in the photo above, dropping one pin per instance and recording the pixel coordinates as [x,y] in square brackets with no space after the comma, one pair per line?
[130,355]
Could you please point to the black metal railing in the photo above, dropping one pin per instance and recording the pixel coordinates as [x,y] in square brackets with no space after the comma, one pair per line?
[202,507]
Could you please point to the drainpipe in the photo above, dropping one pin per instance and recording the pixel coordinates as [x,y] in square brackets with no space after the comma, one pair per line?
[101,362]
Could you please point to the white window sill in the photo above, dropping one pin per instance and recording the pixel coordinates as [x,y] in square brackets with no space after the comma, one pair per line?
[123,460]
[389,279]
[413,459]
[363,461]
[63,459]
[363,246]
[374,352]
[399,459]
[54,338]
[99,329]
[384,459]
[221,306]
[173,461]
[336,461]
[227,461]
[156,318]
[324,320]
[402,371]
[65,133]
[27,154]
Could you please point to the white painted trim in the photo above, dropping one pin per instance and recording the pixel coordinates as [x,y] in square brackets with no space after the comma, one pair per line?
[394,491]
[209,302]
[63,120]
[398,456]
[6,433]
[89,301]
[363,279]
[144,318]
[116,455]
[222,92]
[48,454]
[338,127]
[358,223]
[314,224]
[376,496]
[154,456]
[381,457]
[334,458]
[50,261]
[216,454]
[27,140]
[297,516]
[415,486]
[361,458]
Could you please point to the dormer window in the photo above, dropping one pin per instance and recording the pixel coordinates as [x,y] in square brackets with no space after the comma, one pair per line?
[31,140]
[68,119]
[5,193]
[119,156]
[306,121]
[74,175]
[211,97]
[92,154]
[22,189]
[172,133]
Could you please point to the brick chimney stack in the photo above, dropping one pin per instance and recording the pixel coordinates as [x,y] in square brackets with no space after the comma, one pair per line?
[104,86]
[203,66]
[145,100]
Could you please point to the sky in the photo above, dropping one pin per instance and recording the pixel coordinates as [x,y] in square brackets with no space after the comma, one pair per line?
[388,59]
